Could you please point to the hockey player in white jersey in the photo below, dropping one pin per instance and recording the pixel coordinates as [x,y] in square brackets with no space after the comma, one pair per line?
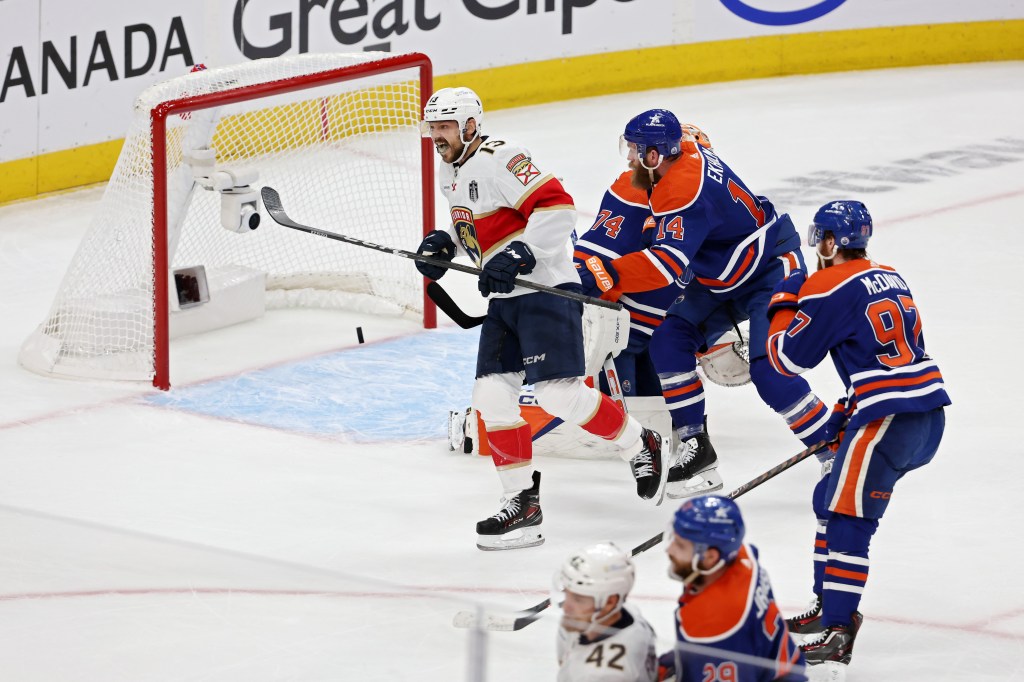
[601,638]
[515,220]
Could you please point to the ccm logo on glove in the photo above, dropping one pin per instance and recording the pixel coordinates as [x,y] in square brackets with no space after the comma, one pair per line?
[499,274]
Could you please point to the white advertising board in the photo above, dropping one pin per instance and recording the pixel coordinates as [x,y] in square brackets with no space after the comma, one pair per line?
[71,69]
[74,69]
[459,35]
[107,62]
[726,19]
[19,112]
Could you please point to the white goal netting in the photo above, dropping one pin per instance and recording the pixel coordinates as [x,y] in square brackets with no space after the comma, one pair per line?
[345,157]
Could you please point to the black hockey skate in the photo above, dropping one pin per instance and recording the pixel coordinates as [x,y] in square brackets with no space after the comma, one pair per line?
[834,644]
[517,523]
[693,471]
[809,621]
[649,467]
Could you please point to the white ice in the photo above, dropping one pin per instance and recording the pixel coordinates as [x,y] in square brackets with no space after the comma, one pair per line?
[258,522]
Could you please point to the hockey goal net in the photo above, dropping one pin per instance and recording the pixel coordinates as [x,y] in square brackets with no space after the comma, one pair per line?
[335,134]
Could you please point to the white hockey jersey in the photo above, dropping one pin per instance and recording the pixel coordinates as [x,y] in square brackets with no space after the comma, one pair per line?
[626,655]
[499,195]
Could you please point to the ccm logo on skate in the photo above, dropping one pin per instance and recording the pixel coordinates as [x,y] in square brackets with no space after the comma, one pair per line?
[534,359]
[879,495]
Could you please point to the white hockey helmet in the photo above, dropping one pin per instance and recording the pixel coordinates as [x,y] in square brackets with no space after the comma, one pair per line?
[598,571]
[453,104]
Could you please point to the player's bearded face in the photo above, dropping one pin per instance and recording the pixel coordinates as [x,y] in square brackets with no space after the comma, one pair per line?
[447,140]
[680,557]
[682,570]
[641,178]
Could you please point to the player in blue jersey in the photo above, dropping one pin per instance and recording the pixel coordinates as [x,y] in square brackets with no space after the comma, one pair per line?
[708,223]
[608,269]
[624,225]
[728,626]
[891,419]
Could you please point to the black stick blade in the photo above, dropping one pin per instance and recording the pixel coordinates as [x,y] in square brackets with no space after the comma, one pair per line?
[449,307]
[272,200]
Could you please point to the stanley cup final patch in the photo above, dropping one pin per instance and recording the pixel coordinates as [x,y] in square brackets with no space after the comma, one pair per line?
[474,191]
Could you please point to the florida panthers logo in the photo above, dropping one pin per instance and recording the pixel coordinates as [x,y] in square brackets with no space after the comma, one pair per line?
[465,228]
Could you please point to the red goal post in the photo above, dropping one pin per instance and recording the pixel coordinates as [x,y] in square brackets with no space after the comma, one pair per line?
[336,134]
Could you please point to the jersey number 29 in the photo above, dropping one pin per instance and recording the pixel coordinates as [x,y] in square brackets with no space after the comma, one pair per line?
[723,672]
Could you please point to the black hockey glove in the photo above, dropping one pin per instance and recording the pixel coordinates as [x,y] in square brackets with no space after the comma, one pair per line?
[499,275]
[437,244]
[785,296]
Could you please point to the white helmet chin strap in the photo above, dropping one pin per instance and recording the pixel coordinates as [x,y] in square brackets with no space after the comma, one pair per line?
[835,250]
[595,622]
[696,572]
[651,169]
[699,571]
[462,136]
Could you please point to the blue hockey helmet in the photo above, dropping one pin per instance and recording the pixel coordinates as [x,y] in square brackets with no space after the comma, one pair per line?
[848,221]
[711,521]
[654,129]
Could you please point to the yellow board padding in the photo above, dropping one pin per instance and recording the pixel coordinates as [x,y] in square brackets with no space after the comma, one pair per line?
[313,121]
[727,60]
[618,72]
[19,179]
[57,171]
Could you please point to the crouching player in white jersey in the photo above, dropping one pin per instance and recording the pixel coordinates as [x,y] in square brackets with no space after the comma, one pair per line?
[601,638]
[515,221]
[890,421]
[728,625]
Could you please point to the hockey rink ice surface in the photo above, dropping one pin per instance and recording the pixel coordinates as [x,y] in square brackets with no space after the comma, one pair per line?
[290,511]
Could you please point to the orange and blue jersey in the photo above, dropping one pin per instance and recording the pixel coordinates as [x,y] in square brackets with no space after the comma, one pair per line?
[621,233]
[732,629]
[863,314]
[708,221]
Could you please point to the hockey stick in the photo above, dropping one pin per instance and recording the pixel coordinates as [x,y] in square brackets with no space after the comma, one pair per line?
[518,621]
[450,308]
[272,201]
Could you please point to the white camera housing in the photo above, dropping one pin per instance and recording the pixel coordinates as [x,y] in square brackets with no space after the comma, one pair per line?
[239,202]
[239,209]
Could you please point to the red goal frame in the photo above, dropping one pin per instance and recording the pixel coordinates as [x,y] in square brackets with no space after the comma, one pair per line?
[158,129]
